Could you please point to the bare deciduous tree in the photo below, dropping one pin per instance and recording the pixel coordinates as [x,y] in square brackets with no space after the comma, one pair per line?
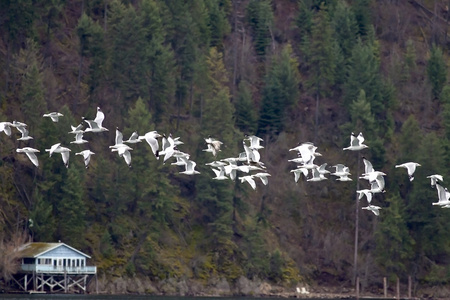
[9,258]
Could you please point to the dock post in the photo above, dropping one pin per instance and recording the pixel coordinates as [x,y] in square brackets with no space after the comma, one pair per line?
[385,287]
[409,287]
[398,288]
[357,287]
[65,281]
[96,283]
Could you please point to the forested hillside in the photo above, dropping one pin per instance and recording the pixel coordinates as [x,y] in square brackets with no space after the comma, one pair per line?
[288,71]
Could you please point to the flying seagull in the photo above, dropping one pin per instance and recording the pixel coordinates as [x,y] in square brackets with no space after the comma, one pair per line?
[96,124]
[151,138]
[375,209]
[86,156]
[356,142]
[411,167]
[54,116]
[30,152]
[65,152]
[6,127]
[435,178]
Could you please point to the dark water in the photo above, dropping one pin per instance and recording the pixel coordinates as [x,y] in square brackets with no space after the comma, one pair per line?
[121,297]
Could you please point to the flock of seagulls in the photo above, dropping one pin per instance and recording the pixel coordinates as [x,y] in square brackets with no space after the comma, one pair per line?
[247,162]
[306,154]
[246,166]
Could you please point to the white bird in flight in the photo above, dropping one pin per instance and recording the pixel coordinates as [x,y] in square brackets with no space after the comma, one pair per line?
[30,152]
[356,143]
[65,152]
[96,125]
[375,209]
[435,178]
[249,179]
[411,167]
[54,116]
[151,138]
[190,167]
[86,156]
[6,127]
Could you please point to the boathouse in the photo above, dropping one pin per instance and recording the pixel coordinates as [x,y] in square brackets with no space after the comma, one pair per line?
[53,267]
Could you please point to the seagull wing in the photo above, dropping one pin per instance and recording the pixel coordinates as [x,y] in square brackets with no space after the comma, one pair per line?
[32,156]
[99,117]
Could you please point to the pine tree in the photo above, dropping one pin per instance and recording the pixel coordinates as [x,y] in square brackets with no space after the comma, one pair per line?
[436,71]
[260,18]
[32,90]
[362,11]
[71,208]
[41,214]
[246,118]
[322,60]
[427,224]
[218,22]
[280,92]
[161,73]
[92,46]
[128,58]
[394,245]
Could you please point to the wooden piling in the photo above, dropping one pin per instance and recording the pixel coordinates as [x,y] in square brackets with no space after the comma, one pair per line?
[398,288]
[357,287]
[385,287]
[409,287]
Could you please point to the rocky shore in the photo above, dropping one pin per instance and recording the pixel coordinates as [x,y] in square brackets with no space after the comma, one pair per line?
[215,287]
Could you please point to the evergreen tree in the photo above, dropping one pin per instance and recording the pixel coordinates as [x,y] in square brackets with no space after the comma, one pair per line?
[92,45]
[436,71]
[260,18]
[362,11]
[32,91]
[71,208]
[41,214]
[408,139]
[363,74]
[394,246]
[218,22]
[161,72]
[345,28]
[216,197]
[246,118]
[128,46]
[427,224]
[17,21]
[322,60]
[280,92]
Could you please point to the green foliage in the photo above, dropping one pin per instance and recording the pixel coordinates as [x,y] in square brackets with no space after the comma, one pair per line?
[408,139]
[44,222]
[17,20]
[32,91]
[345,28]
[362,11]
[92,45]
[363,74]
[246,117]
[322,60]
[280,92]
[361,114]
[436,71]
[260,18]
[394,245]
[445,99]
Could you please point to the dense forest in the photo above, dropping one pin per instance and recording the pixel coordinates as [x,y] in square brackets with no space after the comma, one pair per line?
[288,71]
